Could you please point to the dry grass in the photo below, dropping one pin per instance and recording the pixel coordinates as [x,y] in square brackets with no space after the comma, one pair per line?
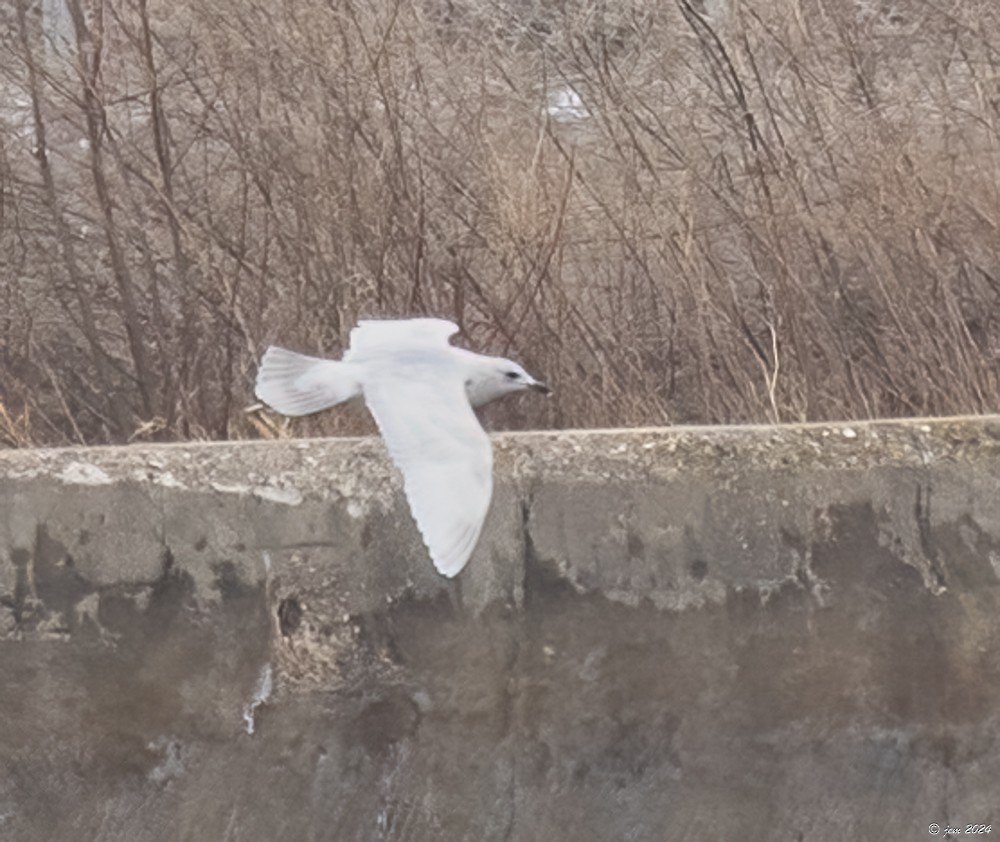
[14,432]
[786,212]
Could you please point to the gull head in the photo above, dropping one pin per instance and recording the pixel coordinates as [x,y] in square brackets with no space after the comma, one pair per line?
[495,377]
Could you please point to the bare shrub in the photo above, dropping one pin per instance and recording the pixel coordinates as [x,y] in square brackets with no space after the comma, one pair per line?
[716,212]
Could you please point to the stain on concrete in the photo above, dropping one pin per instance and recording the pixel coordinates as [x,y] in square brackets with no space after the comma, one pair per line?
[290,613]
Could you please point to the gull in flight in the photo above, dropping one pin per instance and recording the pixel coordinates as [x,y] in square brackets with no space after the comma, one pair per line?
[421,391]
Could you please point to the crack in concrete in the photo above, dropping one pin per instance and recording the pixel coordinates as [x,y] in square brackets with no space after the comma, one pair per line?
[922,515]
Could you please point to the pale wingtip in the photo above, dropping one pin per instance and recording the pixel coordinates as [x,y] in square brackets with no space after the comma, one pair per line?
[449,571]
[459,557]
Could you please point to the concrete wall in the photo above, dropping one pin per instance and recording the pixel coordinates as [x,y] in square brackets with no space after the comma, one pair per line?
[676,634]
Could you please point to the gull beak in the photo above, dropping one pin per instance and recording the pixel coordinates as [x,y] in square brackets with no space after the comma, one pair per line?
[539,386]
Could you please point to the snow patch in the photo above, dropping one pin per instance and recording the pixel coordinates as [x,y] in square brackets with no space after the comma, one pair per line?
[83,473]
[168,480]
[265,683]
[223,488]
[289,495]
[356,510]
[565,105]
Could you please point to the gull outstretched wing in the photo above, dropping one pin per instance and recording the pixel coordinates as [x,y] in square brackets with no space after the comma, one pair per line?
[436,441]
[375,337]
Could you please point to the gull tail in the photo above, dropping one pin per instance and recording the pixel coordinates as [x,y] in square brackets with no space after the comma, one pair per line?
[295,384]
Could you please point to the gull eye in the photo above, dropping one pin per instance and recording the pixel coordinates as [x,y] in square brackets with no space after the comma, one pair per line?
[511,375]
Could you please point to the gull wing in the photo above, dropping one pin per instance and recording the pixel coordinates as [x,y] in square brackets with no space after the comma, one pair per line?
[373,336]
[435,440]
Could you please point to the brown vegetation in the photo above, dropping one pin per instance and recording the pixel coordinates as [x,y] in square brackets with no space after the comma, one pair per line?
[785,211]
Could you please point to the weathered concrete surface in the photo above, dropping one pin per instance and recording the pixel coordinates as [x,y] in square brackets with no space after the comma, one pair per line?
[677,634]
